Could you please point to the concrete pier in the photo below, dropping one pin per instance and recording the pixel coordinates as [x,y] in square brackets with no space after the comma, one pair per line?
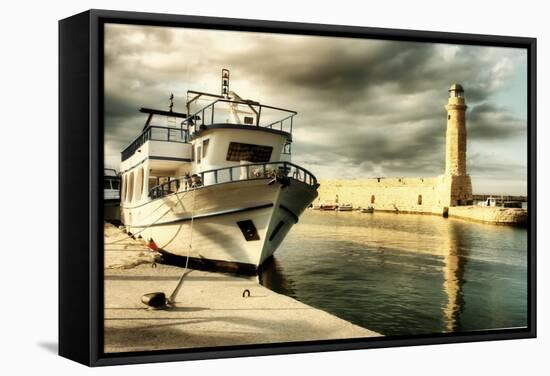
[210,309]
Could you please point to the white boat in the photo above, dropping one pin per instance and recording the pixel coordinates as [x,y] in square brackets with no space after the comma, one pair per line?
[111,195]
[345,207]
[495,202]
[218,177]
[489,201]
[368,209]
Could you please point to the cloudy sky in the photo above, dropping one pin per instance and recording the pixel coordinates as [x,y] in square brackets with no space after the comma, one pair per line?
[366,108]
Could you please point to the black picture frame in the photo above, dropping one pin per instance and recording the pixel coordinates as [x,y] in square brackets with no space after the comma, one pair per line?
[80,170]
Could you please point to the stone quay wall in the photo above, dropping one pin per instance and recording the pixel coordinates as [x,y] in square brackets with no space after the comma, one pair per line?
[495,215]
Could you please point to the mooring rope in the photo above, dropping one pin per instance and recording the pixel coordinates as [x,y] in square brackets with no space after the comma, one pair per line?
[154,222]
[172,298]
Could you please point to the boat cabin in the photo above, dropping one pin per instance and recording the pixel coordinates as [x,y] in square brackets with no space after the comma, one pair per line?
[111,184]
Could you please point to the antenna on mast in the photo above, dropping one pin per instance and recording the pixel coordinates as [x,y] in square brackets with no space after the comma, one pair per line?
[225,82]
[171,101]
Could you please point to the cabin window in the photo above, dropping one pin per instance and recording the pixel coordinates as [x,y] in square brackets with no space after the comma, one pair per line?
[247,152]
[115,184]
[372,199]
[139,184]
[107,184]
[205,147]
[199,155]
[153,182]
[131,187]
[419,199]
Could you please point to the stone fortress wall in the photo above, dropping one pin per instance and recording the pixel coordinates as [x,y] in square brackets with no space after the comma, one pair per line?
[412,195]
[421,195]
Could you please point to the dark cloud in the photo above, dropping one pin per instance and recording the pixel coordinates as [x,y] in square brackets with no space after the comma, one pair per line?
[375,107]
[489,121]
[118,107]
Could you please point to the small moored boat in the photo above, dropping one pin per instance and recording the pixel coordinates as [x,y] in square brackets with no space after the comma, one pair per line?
[345,207]
[328,207]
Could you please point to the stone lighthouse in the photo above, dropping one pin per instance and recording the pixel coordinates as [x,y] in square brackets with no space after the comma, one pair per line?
[455,152]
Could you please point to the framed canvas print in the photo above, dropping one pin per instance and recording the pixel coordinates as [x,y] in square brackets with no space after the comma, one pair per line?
[242,187]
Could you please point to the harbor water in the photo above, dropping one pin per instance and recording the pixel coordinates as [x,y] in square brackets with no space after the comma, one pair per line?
[403,274]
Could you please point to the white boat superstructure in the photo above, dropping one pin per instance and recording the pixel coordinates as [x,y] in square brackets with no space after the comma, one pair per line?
[220,173]
[111,195]
[111,185]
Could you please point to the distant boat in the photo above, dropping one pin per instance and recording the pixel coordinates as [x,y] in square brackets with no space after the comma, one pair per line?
[328,207]
[111,195]
[345,207]
[495,202]
[369,209]
[512,204]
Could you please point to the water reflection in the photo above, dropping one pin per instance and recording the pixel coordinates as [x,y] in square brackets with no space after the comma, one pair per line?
[272,276]
[455,259]
[404,274]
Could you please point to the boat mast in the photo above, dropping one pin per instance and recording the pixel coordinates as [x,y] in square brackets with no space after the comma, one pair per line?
[225,83]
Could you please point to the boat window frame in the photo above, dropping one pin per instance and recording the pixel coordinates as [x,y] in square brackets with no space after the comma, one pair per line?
[139,183]
[114,181]
[123,188]
[130,195]
[205,143]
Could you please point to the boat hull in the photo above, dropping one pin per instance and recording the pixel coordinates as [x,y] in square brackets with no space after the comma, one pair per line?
[111,210]
[234,225]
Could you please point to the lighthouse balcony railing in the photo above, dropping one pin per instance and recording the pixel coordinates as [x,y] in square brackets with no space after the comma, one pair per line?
[275,171]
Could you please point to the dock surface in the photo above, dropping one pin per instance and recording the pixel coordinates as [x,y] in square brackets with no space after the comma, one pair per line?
[209,311]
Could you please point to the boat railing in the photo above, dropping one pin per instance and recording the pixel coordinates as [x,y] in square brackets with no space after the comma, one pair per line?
[110,172]
[280,171]
[207,115]
[155,133]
